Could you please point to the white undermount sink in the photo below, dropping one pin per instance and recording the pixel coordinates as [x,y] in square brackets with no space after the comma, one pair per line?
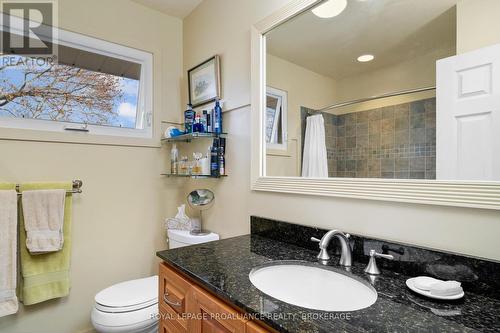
[313,287]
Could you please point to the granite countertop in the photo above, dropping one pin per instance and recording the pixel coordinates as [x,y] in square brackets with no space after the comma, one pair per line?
[223,267]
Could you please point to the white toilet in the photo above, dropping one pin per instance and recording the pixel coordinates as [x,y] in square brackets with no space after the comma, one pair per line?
[132,306]
[180,238]
[127,307]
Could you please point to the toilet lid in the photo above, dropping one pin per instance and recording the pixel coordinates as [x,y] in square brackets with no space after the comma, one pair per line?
[184,236]
[128,295]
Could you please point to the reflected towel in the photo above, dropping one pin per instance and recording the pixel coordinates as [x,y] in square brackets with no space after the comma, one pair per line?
[314,159]
[46,276]
[43,212]
[8,249]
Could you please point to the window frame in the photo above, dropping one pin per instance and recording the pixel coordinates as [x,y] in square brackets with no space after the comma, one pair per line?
[282,97]
[95,132]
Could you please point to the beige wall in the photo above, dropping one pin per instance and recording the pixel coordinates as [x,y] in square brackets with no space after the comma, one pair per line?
[477,24]
[304,88]
[469,231]
[117,220]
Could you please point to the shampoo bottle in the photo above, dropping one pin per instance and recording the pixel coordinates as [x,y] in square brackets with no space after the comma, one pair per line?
[214,158]
[217,122]
[189,115]
[222,157]
[197,124]
[204,121]
[210,121]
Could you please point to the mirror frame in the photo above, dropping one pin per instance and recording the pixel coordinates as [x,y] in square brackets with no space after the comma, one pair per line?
[471,194]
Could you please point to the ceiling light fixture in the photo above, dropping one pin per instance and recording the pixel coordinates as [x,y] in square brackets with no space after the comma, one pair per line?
[366,58]
[330,8]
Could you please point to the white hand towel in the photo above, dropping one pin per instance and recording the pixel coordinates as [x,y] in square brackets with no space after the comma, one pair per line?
[43,212]
[446,288]
[425,282]
[8,252]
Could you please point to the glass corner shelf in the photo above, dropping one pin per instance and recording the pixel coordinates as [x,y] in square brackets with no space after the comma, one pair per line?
[191,176]
[192,136]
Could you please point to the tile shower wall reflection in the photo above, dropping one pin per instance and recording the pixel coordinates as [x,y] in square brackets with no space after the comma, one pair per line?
[396,141]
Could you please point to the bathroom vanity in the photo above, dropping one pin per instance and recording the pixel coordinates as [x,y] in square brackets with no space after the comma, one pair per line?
[209,283]
[187,306]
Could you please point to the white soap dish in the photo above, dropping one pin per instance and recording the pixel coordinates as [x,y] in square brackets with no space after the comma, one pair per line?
[410,283]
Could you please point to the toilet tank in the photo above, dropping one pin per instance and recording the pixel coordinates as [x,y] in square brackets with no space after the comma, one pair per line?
[181,238]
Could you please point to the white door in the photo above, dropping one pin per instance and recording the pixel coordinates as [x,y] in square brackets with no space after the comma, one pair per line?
[468,116]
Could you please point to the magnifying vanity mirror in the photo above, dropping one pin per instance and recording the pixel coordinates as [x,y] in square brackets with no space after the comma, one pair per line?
[201,200]
[403,105]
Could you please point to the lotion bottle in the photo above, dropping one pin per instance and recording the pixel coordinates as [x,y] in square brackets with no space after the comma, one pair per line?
[174,160]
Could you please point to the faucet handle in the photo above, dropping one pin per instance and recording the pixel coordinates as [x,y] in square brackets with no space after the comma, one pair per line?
[323,254]
[372,267]
[373,253]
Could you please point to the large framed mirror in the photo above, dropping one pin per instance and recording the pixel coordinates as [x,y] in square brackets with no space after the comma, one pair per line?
[384,99]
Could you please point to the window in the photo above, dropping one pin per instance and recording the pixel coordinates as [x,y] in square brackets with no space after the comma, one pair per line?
[276,125]
[94,86]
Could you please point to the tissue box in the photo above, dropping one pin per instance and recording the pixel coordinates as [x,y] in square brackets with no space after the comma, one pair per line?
[179,224]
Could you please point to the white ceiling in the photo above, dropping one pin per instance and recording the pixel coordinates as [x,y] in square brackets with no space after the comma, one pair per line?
[392,30]
[177,8]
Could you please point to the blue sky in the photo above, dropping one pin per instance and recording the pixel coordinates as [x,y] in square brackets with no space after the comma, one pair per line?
[125,107]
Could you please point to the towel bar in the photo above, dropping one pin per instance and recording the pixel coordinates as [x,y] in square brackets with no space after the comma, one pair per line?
[77,187]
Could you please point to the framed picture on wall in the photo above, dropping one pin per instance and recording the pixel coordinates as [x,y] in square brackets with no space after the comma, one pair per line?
[204,82]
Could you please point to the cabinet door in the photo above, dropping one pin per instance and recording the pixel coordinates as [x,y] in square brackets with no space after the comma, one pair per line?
[171,320]
[255,328]
[173,290]
[210,315]
[167,327]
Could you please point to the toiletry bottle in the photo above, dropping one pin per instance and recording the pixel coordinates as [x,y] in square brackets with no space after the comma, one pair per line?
[209,121]
[214,158]
[205,163]
[197,124]
[174,160]
[189,115]
[183,165]
[197,163]
[222,158]
[217,117]
[204,121]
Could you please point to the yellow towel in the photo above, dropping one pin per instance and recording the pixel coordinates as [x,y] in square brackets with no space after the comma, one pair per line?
[45,276]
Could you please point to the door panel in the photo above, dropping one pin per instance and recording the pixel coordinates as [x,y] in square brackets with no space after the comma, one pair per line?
[468,116]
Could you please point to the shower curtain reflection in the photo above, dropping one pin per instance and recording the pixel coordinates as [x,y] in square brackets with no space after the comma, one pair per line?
[392,141]
[314,161]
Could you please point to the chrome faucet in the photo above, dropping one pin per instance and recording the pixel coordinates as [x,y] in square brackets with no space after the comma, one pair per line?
[345,256]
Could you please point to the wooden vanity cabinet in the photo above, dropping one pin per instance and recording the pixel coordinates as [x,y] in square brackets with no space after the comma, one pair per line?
[172,298]
[252,327]
[186,307]
[212,315]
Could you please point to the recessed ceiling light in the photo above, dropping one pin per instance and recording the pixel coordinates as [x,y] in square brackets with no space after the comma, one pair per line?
[366,58]
[330,8]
